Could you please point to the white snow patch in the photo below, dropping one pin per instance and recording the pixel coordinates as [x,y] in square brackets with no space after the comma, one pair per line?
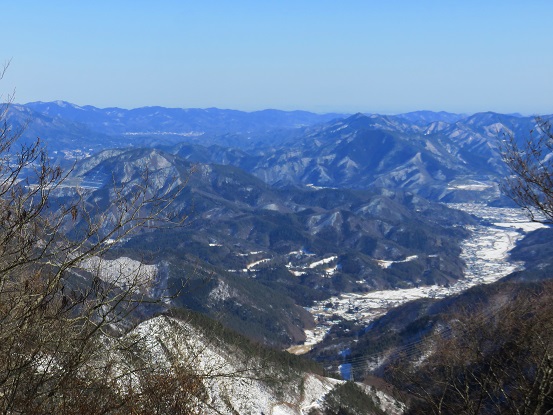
[254,264]
[431,147]
[122,271]
[388,264]
[322,262]
[329,272]
[250,253]
[340,128]
[477,186]
[525,226]
[221,292]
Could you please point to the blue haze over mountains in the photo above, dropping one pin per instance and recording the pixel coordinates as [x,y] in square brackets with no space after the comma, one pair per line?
[422,151]
[284,190]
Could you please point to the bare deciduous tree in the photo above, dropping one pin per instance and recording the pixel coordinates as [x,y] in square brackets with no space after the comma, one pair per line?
[531,165]
[58,313]
[489,360]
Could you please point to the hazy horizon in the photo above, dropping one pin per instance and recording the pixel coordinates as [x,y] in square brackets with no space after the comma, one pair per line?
[319,56]
[345,113]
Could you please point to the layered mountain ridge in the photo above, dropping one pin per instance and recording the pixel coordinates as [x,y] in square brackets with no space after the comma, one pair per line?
[294,214]
[261,246]
[290,213]
[442,156]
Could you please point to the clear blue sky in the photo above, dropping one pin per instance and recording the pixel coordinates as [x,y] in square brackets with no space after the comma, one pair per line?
[388,56]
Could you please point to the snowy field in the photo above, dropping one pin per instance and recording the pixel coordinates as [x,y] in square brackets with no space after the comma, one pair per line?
[485,253]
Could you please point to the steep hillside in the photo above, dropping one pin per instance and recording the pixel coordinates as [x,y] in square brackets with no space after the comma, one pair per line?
[242,377]
[536,252]
[254,255]
[357,153]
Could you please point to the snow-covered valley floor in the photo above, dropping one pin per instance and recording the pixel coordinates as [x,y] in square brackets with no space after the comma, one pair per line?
[485,252]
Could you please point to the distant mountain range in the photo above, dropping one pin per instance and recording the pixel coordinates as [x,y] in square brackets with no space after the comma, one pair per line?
[286,211]
[287,207]
[440,155]
[440,160]
[168,125]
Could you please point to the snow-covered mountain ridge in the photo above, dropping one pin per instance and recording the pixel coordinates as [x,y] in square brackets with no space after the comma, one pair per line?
[236,382]
[421,151]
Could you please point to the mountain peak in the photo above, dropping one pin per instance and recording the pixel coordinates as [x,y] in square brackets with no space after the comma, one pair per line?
[358,115]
